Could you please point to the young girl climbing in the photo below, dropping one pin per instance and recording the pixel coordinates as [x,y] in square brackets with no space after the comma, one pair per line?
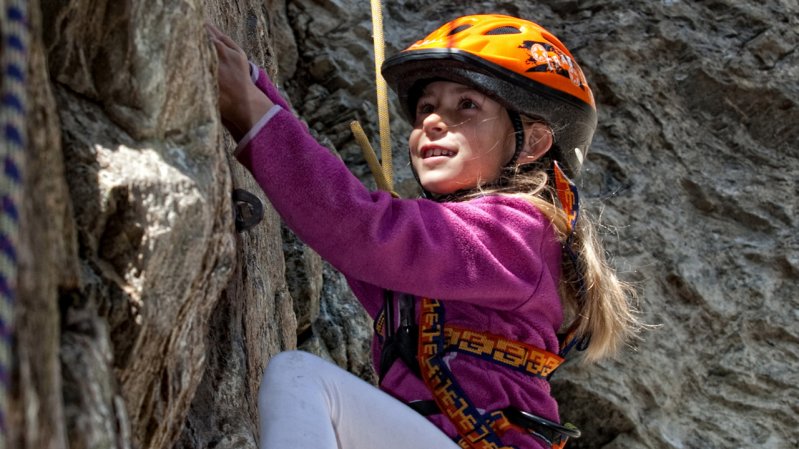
[478,288]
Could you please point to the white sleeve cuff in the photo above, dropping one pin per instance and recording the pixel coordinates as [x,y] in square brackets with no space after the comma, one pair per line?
[254,72]
[256,128]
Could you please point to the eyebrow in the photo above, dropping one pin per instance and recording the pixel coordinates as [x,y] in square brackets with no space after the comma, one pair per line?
[458,90]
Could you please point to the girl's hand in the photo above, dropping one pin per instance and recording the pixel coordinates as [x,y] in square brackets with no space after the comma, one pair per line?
[241,103]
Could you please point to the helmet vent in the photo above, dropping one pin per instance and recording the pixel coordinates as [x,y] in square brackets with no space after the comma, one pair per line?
[504,30]
[458,29]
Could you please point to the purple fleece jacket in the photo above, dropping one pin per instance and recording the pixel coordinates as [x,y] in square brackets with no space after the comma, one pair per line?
[493,261]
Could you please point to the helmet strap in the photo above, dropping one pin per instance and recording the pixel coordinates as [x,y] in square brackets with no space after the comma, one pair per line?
[510,170]
[518,130]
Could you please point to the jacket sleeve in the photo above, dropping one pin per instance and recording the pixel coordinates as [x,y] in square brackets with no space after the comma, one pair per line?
[491,250]
[261,80]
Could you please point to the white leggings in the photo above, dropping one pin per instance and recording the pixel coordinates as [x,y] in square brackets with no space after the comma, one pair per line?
[306,402]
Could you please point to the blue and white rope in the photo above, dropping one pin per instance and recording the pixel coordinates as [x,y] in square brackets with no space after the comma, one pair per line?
[13,63]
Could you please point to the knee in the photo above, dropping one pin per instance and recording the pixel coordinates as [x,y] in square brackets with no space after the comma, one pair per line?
[291,371]
[288,364]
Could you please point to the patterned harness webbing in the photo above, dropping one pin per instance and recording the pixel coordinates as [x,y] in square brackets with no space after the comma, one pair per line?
[516,355]
[513,354]
[475,431]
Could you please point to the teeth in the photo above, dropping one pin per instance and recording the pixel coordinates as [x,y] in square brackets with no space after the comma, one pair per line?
[438,152]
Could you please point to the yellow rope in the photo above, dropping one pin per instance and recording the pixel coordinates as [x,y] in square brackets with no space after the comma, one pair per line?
[382,94]
[383,173]
[369,155]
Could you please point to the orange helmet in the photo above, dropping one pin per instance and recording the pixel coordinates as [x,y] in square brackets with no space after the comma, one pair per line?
[517,63]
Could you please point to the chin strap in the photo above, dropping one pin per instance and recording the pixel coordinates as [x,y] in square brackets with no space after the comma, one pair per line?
[518,131]
[510,169]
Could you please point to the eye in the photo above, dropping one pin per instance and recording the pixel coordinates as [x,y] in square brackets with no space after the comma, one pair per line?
[424,108]
[467,103]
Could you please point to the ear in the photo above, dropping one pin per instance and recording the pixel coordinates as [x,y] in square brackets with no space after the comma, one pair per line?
[537,141]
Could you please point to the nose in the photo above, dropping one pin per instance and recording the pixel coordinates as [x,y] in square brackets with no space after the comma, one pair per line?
[434,123]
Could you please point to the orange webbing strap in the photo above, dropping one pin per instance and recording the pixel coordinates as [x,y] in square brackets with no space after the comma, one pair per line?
[512,354]
[570,339]
[473,428]
[567,195]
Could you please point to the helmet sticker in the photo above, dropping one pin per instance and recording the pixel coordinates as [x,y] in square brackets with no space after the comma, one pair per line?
[545,57]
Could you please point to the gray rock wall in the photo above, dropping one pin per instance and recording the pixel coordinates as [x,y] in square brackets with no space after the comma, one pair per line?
[145,319]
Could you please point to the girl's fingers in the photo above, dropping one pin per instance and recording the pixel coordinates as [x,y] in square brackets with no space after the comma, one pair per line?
[213,32]
[228,41]
[212,27]
[217,34]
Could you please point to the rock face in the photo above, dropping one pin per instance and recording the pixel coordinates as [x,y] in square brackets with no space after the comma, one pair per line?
[145,320]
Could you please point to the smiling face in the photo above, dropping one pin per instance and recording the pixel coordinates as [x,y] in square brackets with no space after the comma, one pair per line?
[460,138]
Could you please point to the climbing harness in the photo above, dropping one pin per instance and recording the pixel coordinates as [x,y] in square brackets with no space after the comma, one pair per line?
[16,36]
[516,355]
[474,430]
[422,348]
[399,344]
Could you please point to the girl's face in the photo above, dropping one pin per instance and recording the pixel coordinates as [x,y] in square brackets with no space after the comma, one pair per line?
[460,139]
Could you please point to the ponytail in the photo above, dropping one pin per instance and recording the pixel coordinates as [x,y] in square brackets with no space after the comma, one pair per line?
[604,309]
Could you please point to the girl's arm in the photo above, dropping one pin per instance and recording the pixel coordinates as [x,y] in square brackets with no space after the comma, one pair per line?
[496,250]
[242,105]
[487,250]
[261,81]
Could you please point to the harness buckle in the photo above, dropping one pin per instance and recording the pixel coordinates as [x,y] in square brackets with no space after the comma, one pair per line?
[556,434]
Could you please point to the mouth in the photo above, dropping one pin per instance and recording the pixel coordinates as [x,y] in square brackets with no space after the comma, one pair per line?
[429,151]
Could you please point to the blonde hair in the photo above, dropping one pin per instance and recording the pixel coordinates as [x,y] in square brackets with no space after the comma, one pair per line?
[604,310]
